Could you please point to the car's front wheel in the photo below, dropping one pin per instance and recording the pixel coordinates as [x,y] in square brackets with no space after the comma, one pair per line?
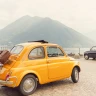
[75,75]
[28,85]
[86,57]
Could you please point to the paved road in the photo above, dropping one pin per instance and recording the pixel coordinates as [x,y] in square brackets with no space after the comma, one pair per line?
[85,87]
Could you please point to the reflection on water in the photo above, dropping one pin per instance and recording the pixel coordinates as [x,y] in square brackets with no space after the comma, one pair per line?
[76,50]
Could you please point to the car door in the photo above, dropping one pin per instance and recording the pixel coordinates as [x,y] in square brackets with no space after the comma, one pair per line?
[57,62]
[37,63]
[93,52]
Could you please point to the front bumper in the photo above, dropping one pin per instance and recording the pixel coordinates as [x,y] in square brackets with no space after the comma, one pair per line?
[2,82]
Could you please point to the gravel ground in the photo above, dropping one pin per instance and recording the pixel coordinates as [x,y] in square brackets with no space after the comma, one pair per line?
[85,87]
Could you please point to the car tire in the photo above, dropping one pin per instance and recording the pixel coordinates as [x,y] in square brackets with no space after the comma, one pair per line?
[75,75]
[28,85]
[86,57]
[93,58]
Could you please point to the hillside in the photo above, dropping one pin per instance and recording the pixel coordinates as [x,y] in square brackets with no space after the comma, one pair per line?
[16,28]
[35,28]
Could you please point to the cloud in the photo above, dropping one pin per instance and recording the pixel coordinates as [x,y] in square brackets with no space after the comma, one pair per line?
[7,10]
[78,14]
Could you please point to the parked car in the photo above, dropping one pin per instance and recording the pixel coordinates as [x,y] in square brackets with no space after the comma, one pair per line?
[37,62]
[91,53]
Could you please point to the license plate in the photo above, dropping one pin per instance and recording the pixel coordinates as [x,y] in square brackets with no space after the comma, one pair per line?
[0,68]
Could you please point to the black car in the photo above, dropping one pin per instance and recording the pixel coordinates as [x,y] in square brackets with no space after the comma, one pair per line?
[91,53]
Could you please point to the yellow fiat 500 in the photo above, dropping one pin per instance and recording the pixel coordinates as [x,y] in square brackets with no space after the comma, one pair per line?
[37,62]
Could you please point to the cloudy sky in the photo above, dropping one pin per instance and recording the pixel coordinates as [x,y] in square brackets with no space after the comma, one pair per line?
[77,14]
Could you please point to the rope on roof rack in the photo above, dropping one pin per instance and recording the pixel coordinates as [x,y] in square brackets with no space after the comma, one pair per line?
[42,41]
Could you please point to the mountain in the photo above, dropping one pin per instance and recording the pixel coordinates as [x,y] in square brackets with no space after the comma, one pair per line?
[36,28]
[16,28]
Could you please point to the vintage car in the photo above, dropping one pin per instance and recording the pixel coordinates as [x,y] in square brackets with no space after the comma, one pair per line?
[91,53]
[37,62]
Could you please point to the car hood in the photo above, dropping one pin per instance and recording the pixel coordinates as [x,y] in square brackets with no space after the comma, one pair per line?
[87,52]
[7,66]
[72,59]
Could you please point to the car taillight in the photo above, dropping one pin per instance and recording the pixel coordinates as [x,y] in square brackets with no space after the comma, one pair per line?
[7,77]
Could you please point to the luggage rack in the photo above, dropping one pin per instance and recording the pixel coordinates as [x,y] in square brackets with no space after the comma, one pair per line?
[42,41]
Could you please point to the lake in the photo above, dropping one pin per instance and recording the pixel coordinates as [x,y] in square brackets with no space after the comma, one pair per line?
[76,50]
[67,50]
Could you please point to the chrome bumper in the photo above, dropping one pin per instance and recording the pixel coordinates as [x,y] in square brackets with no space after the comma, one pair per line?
[6,82]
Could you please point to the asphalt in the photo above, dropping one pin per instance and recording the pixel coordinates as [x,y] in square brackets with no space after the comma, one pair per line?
[85,87]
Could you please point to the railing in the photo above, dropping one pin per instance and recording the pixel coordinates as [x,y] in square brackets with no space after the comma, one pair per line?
[5,47]
[76,50]
[67,50]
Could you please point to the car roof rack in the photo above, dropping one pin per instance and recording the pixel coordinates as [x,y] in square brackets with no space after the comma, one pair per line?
[42,41]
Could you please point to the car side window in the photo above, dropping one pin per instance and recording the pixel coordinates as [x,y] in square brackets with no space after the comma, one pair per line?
[54,52]
[37,53]
[93,49]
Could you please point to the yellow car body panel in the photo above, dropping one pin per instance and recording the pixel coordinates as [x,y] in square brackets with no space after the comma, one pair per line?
[46,69]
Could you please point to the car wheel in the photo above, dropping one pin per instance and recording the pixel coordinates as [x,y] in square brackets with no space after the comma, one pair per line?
[86,57]
[28,85]
[93,58]
[75,75]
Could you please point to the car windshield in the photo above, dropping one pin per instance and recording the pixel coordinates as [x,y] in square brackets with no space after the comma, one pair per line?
[16,49]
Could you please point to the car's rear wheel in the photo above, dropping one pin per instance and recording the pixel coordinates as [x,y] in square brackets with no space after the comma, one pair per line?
[93,58]
[86,57]
[28,85]
[75,75]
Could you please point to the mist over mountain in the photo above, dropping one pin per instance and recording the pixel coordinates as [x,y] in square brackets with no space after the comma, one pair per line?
[91,35]
[36,28]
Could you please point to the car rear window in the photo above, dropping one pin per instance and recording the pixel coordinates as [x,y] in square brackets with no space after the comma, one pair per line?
[16,49]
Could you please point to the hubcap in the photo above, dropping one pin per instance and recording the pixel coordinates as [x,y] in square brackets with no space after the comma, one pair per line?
[76,75]
[29,85]
[86,56]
